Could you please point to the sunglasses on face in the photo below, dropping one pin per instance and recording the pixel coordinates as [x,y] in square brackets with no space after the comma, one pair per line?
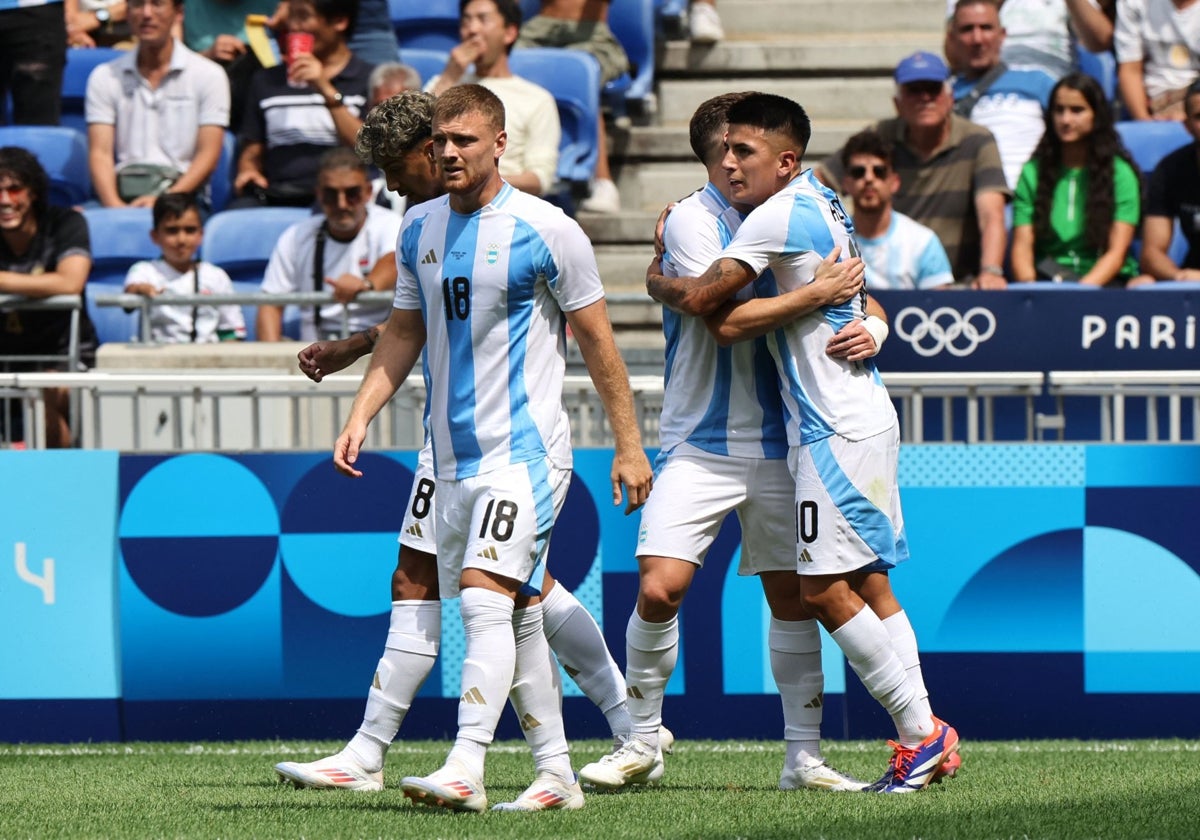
[329,195]
[14,190]
[878,170]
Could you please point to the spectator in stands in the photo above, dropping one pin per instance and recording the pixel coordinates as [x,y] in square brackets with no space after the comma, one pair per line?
[33,52]
[373,38]
[583,25]
[350,248]
[44,251]
[1174,197]
[1078,200]
[1158,55]
[950,174]
[1009,103]
[386,81]
[1043,34]
[489,28]
[704,24]
[899,253]
[178,230]
[295,113]
[156,115]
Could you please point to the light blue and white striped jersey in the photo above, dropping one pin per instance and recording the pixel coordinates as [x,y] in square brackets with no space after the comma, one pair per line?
[492,287]
[723,400]
[783,241]
[907,256]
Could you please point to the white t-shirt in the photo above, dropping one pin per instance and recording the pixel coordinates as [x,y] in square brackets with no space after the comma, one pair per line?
[290,269]
[175,324]
[158,125]
[783,241]
[723,400]
[492,287]
[1165,39]
[908,256]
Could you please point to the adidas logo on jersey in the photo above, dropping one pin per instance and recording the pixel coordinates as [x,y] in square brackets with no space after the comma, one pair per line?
[414,530]
[528,722]
[816,703]
[474,697]
[489,553]
[805,557]
[430,258]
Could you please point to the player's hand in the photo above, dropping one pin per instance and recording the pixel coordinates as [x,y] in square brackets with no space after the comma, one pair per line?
[322,358]
[839,281]
[659,227]
[852,342]
[654,276]
[346,287]
[347,447]
[632,472]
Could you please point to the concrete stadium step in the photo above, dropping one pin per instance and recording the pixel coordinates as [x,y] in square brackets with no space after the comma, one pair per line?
[864,99]
[646,144]
[750,17]
[875,53]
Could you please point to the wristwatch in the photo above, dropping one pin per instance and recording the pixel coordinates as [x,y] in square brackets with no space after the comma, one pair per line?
[103,16]
[334,101]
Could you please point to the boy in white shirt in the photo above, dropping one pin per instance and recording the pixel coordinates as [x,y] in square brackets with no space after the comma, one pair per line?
[178,231]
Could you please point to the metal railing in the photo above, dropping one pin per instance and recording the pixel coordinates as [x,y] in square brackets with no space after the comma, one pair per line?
[1180,390]
[70,360]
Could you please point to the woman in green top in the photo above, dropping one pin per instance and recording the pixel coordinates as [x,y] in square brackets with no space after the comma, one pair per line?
[1078,200]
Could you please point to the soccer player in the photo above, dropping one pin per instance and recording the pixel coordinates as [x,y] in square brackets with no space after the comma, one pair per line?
[487,275]
[842,428]
[396,137]
[724,449]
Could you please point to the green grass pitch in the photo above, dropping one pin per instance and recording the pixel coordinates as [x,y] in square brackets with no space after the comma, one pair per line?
[713,789]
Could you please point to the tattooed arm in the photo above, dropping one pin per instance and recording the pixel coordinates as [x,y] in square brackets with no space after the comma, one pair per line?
[701,295]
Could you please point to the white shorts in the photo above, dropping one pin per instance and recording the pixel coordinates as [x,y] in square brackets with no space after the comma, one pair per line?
[694,492]
[499,522]
[848,514]
[419,530]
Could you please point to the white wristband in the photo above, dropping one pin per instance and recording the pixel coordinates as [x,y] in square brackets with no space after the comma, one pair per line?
[878,329]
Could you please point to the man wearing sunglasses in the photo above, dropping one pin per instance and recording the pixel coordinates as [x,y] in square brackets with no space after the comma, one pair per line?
[349,249]
[899,252]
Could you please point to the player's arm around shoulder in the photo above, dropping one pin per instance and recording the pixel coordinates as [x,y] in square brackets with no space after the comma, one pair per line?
[631,468]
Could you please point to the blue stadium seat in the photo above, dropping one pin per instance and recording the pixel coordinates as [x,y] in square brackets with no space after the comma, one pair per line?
[573,78]
[63,154]
[632,21]
[427,24]
[428,63]
[221,182]
[241,242]
[1149,141]
[670,17]
[120,236]
[80,63]
[1102,67]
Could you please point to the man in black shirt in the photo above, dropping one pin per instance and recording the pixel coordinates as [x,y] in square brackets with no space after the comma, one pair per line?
[1174,196]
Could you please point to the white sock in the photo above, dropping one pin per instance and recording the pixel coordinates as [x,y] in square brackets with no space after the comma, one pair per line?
[412,648]
[904,642]
[651,650]
[868,649]
[487,674]
[796,664]
[537,695]
[579,645]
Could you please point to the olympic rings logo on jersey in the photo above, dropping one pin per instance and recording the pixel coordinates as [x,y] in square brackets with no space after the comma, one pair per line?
[945,329]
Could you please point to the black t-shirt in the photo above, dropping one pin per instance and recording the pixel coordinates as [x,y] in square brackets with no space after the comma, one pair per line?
[62,232]
[1175,193]
[295,125]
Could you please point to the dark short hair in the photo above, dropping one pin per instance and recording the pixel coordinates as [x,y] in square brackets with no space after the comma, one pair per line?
[173,205]
[707,127]
[332,9]
[465,99]
[869,142]
[510,10]
[342,157]
[773,114]
[395,127]
[23,167]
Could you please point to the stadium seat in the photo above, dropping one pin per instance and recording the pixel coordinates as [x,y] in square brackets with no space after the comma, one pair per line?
[573,78]
[221,182]
[671,18]
[241,242]
[120,236]
[80,63]
[632,21]
[63,154]
[1102,67]
[428,63]
[1149,141]
[427,24]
